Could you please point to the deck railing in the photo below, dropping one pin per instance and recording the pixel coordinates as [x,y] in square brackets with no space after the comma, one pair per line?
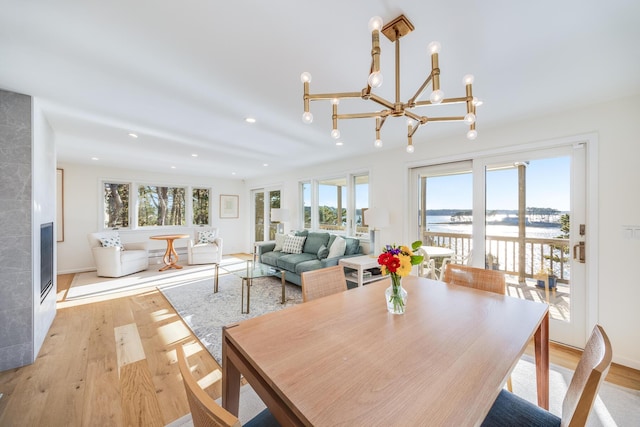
[502,253]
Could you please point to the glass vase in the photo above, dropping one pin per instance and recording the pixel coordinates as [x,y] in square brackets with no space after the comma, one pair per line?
[396,296]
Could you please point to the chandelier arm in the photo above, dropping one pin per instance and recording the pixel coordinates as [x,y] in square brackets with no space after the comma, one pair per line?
[380,122]
[382,101]
[383,113]
[413,130]
[459,100]
[447,119]
[338,95]
[419,92]
[415,117]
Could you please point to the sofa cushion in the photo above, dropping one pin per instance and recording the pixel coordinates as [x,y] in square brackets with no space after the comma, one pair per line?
[271,257]
[302,233]
[314,264]
[332,239]
[279,241]
[289,261]
[353,246]
[314,242]
[337,248]
[293,244]
[323,252]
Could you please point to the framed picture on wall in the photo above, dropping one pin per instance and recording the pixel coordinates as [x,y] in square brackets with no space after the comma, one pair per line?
[228,206]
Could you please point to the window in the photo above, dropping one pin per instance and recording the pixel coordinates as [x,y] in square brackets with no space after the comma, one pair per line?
[159,206]
[336,204]
[305,196]
[332,207]
[200,206]
[116,205]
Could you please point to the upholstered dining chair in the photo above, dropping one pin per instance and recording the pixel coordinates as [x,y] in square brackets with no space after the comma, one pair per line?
[205,412]
[322,282]
[477,278]
[511,410]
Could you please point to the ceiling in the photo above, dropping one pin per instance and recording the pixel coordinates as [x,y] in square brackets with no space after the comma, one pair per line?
[183,76]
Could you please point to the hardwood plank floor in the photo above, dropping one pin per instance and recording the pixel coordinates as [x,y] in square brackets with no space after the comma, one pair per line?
[75,380]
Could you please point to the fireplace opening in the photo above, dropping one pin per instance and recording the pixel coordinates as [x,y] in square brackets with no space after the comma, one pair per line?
[46,259]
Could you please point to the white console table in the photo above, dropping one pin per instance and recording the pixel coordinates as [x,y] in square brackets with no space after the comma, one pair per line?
[361,263]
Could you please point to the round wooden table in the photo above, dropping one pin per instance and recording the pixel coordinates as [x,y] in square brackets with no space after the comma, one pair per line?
[170,257]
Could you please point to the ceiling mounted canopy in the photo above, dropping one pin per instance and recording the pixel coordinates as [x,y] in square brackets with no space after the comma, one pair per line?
[394,30]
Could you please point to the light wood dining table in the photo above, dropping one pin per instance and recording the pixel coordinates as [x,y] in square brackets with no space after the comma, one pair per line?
[344,360]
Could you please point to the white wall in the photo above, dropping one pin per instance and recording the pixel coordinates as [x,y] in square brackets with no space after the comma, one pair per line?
[44,211]
[618,292]
[81,212]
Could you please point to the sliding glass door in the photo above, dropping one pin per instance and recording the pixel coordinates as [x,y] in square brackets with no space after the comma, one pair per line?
[522,213]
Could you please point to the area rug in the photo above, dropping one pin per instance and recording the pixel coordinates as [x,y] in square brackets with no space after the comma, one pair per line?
[206,312]
[89,284]
[615,406]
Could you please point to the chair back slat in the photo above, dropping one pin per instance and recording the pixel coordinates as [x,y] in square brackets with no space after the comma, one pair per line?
[205,412]
[322,282]
[591,370]
[477,278]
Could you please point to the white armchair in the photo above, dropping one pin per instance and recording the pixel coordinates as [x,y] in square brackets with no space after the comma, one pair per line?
[114,259]
[205,247]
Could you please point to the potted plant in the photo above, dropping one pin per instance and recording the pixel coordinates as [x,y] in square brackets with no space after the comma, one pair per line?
[545,274]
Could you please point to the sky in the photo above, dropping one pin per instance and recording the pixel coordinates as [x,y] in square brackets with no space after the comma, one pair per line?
[548,186]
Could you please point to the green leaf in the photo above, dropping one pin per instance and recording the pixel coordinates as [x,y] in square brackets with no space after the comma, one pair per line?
[416,259]
[415,245]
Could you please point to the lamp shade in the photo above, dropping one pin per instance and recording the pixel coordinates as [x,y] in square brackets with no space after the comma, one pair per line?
[377,217]
[279,215]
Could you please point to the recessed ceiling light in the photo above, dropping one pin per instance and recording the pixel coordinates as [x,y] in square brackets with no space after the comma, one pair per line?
[339,143]
[233,173]
[95,158]
[265,164]
[250,120]
[133,135]
[194,155]
[173,167]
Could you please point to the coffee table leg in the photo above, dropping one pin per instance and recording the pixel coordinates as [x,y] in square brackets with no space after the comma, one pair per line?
[242,297]
[215,279]
[284,298]
[248,293]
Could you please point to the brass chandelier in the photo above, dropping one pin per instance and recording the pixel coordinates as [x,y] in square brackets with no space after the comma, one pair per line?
[394,30]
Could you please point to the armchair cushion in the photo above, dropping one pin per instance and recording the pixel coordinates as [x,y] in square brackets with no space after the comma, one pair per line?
[206,248]
[208,236]
[111,240]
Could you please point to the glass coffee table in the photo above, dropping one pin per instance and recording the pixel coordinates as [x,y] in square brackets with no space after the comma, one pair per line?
[247,271]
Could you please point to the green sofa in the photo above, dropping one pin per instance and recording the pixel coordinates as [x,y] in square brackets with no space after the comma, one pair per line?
[313,254]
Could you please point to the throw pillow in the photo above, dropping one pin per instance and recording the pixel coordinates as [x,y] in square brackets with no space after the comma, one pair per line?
[206,236]
[323,252]
[280,238]
[337,248]
[112,241]
[293,244]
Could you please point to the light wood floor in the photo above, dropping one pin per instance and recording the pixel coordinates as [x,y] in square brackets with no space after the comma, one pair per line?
[113,363]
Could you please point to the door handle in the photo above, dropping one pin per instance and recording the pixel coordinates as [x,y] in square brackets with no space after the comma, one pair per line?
[579,252]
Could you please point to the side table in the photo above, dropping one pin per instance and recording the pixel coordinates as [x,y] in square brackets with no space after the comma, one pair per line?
[360,263]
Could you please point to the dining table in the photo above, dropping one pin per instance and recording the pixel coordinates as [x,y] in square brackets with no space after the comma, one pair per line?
[345,360]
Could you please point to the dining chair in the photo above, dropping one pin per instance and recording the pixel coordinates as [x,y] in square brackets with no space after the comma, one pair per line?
[205,412]
[427,267]
[322,282]
[477,278]
[511,410]
[473,277]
